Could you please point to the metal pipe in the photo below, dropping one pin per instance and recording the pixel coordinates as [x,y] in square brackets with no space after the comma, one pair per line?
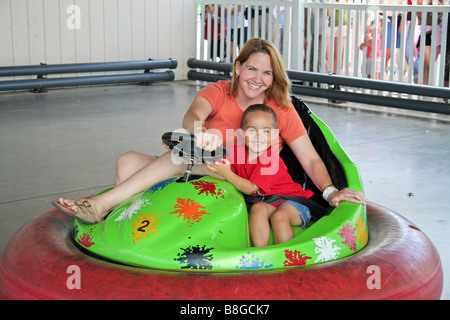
[85,81]
[365,83]
[87,67]
[420,105]
[203,64]
[210,77]
[401,103]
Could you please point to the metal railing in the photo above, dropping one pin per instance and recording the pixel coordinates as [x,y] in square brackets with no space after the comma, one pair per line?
[400,55]
[326,36]
[223,70]
[41,71]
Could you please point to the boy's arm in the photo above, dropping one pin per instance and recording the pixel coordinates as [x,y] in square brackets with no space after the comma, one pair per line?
[242,184]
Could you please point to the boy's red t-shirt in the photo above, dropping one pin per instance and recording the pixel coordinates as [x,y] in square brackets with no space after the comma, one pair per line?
[268,172]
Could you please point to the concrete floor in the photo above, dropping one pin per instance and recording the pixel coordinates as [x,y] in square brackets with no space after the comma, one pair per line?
[65,143]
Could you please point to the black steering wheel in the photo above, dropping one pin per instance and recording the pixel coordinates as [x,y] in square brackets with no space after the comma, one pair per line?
[183,145]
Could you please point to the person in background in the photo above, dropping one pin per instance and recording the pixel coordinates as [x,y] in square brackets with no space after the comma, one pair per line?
[214,51]
[368,46]
[427,33]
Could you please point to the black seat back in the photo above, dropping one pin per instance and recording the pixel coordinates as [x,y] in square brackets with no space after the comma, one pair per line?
[319,142]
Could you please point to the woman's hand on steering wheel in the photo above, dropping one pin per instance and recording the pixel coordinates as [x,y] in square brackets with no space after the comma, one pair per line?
[186,146]
[207,140]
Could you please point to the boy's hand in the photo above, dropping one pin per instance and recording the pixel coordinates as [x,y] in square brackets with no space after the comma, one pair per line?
[220,167]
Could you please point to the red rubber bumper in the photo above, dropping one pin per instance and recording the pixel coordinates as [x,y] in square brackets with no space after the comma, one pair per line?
[399,262]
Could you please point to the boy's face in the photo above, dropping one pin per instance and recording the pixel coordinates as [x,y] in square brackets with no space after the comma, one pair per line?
[259,129]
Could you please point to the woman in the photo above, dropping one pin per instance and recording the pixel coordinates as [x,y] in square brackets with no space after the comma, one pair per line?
[258,77]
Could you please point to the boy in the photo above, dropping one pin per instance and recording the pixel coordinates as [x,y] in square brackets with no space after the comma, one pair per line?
[366,68]
[254,173]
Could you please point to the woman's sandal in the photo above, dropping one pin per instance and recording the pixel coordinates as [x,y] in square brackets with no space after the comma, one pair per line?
[85,211]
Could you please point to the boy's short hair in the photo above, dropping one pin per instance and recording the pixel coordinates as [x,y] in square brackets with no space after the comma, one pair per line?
[260,107]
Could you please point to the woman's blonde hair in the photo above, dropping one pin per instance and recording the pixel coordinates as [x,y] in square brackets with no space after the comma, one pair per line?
[280,88]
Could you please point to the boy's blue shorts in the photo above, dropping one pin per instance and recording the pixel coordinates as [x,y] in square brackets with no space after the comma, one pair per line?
[303,211]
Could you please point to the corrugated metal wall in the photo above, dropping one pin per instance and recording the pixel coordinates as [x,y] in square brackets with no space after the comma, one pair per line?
[80,31]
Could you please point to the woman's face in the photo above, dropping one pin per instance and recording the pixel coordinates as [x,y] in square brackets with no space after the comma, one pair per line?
[255,76]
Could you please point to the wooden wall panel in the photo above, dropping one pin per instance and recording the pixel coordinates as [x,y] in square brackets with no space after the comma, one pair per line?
[79,31]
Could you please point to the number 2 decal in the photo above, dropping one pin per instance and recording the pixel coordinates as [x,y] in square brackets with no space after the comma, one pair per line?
[144,224]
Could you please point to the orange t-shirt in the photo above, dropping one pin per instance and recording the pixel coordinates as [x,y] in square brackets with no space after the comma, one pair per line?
[227,114]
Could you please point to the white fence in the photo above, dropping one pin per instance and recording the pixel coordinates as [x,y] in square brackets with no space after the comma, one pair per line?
[219,21]
[327,35]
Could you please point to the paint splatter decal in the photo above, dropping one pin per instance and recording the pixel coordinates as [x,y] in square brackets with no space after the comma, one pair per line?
[295,258]
[86,239]
[195,257]
[190,210]
[249,261]
[133,209]
[361,230]
[160,185]
[208,188]
[348,234]
[326,249]
[145,225]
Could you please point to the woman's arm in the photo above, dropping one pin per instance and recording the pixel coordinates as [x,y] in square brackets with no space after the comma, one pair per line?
[196,115]
[316,170]
[193,121]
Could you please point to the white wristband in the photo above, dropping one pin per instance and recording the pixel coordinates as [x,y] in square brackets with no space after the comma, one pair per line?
[327,192]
